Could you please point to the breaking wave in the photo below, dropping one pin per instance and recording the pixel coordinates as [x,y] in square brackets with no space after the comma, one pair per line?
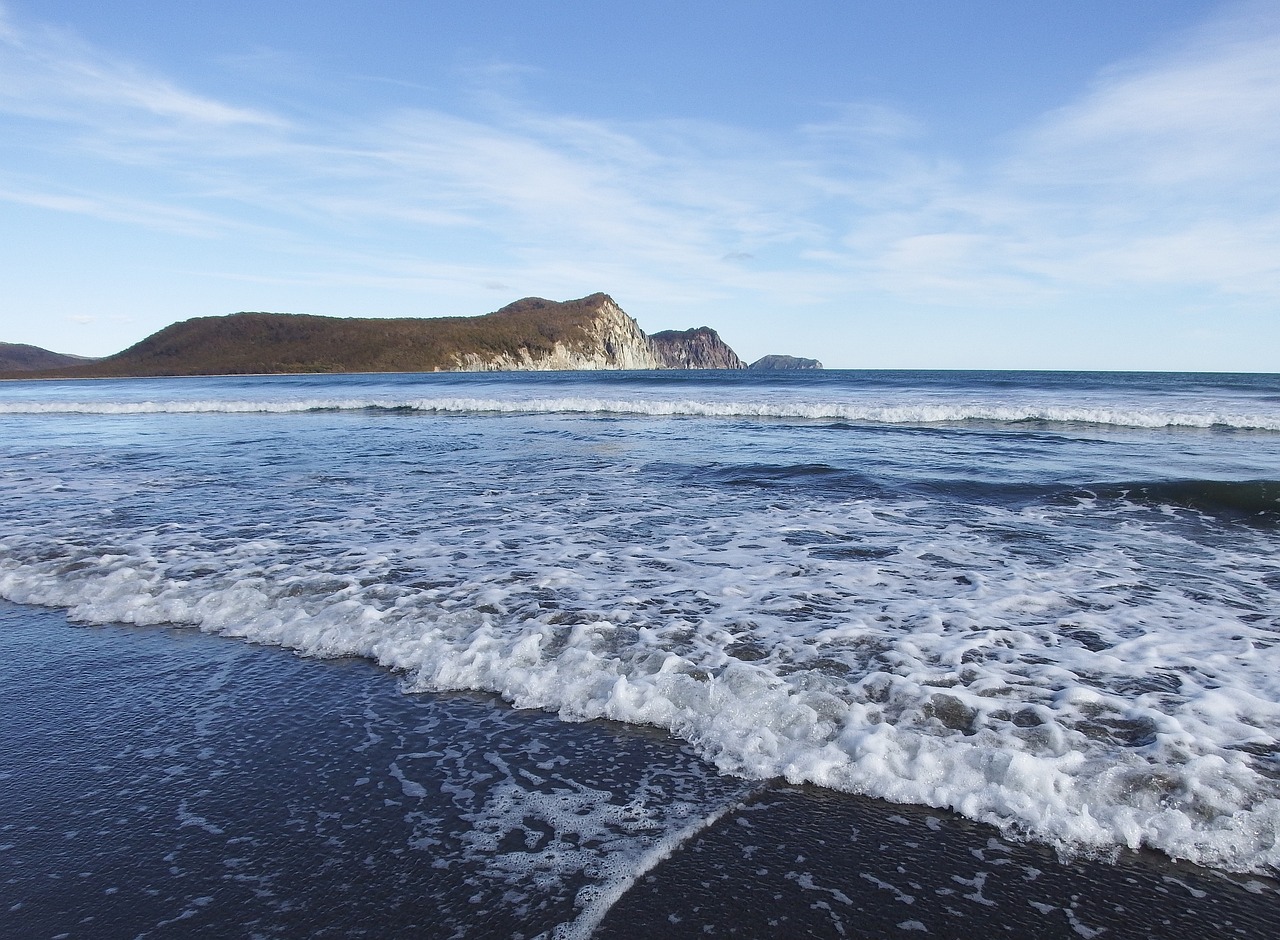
[1052,684]
[1067,634]
[940,412]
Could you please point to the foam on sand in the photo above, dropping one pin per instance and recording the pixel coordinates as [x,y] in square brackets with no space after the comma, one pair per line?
[1058,686]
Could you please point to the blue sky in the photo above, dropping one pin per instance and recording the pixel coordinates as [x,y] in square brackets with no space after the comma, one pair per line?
[888,184]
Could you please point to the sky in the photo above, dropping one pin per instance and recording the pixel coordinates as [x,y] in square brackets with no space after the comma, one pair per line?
[996,184]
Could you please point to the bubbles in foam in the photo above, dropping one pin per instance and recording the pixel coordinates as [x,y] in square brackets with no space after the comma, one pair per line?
[1092,668]
[1027,689]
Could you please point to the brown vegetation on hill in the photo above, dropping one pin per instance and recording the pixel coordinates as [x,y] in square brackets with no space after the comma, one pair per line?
[252,343]
[19,357]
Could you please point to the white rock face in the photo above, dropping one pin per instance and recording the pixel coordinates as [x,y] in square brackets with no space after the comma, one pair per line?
[613,341]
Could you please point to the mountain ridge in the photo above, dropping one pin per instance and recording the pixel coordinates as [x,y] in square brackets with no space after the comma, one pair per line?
[21,357]
[530,334]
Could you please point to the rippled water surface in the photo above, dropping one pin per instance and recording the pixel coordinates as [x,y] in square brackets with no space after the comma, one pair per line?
[1047,601]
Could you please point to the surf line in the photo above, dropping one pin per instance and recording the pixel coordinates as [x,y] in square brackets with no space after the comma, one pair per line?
[601,898]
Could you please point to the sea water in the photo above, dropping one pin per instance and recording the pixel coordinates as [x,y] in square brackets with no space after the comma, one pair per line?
[1046,601]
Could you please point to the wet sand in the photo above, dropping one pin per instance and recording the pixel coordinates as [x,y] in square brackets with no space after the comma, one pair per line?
[160,782]
[800,861]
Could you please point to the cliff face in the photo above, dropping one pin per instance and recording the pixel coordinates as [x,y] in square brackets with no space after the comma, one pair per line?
[606,338]
[700,348]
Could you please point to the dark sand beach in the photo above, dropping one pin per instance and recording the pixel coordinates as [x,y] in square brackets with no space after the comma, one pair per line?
[159,782]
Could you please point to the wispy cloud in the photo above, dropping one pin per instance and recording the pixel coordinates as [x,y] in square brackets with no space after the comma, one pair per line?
[47,73]
[1165,172]
[1205,114]
[158,216]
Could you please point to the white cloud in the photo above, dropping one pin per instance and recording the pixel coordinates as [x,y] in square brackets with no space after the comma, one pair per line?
[159,216]
[1207,113]
[1164,174]
[48,74]
[864,124]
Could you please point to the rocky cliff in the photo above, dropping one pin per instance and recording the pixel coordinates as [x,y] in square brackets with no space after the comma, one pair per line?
[700,348]
[604,339]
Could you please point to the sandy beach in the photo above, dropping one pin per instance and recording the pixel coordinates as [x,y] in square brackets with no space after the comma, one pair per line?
[162,782]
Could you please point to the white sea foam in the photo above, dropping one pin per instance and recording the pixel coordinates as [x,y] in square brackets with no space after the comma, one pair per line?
[1056,685]
[940,411]
[595,901]
[1095,672]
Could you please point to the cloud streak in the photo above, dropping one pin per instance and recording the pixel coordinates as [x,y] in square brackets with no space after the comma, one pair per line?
[48,74]
[1164,174]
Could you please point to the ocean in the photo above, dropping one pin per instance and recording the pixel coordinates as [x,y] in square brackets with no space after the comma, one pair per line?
[817,653]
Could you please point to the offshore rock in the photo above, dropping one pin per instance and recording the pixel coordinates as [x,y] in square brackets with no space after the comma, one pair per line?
[700,348]
[771,363]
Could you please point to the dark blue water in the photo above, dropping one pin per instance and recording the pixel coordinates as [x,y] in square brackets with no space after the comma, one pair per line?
[1046,601]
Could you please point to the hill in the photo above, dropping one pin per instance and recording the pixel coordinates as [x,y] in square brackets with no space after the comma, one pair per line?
[700,348]
[590,333]
[531,334]
[19,357]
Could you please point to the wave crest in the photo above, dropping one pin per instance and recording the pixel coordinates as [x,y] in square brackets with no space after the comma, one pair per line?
[933,412]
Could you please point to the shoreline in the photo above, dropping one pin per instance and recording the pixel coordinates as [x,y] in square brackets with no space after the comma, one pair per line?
[803,861]
[273,784]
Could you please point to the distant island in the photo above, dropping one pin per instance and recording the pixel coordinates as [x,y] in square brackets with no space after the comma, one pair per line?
[775,363]
[531,334]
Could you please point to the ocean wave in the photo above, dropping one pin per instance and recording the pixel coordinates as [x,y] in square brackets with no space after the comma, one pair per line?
[1256,501]
[1053,693]
[1240,499]
[1037,630]
[940,412]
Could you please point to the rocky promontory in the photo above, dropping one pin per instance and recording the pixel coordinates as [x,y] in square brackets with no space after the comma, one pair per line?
[700,348]
[530,334]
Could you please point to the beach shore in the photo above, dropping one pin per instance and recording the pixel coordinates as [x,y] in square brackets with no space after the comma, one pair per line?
[162,782]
